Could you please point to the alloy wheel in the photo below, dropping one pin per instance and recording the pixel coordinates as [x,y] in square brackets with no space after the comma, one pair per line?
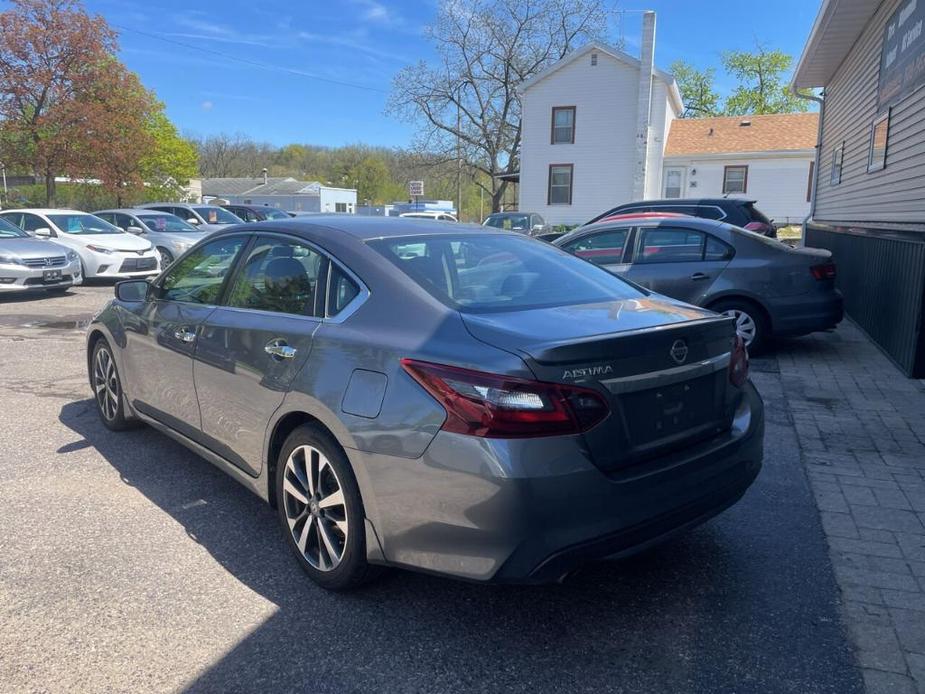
[746,328]
[164,257]
[315,507]
[106,384]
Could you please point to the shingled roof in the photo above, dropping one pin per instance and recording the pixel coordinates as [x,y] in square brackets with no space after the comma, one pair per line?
[767,133]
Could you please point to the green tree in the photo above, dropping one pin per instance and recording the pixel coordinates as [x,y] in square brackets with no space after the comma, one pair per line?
[52,54]
[171,161]
[697,91]
[763,83]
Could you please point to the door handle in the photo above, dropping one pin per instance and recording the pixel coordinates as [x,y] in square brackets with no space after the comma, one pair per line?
[278,348]
[700,276]
[184,335]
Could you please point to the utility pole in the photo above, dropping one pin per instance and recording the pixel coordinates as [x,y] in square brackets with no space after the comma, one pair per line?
[458,154]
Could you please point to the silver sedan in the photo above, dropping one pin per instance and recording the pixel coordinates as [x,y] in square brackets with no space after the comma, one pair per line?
[170,235]
[31,263]
[434,396]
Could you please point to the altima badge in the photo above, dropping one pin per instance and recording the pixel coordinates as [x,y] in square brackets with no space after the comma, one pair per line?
[679,351]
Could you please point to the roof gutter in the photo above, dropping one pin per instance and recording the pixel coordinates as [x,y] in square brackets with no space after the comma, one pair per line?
[821,101]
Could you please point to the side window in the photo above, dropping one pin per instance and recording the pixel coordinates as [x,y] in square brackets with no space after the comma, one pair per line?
[198,278]
[123,221]
[342,290]
[710,212]
[106,217]
[602,248]
[280,276]
[14,218]
[669,245]
[247,215]
[31,222]
[717,250]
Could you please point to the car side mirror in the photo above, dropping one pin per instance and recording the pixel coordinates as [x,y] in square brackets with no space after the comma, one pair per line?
[192,220]
[133,290]
[134,230]
[43,232]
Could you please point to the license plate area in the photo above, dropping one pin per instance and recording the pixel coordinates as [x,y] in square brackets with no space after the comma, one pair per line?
[51,276]
[668,412]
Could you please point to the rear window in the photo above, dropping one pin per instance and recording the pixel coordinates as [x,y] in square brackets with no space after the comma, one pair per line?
[493,272]
[756,215]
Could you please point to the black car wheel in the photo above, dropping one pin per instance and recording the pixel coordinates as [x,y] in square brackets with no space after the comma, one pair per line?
[321,511]
[751,323]
[107,388]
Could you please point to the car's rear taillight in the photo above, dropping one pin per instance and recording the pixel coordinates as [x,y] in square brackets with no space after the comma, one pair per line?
[738,363]
[497,406]
[825,271]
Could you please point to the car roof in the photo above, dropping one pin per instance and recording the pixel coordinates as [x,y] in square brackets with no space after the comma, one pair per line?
[46,210]
[364,228]
[656,219]
[692,201]
[130,210]
[622,216]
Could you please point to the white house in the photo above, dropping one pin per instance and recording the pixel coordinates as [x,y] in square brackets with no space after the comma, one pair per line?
[602,128]
[594,129]
[284,193]
[767,158]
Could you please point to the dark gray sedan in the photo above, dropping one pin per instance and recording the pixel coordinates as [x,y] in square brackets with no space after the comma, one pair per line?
[768,287]
[472,403]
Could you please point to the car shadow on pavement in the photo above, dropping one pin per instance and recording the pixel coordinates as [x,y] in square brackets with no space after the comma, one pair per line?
[745,603]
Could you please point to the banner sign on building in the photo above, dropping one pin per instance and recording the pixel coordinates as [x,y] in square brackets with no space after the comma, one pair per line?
[902,61]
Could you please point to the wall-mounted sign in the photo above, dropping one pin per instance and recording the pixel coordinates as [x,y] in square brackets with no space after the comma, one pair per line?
[416,189]
[902,60]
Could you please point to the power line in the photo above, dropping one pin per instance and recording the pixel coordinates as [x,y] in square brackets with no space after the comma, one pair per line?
[253,63]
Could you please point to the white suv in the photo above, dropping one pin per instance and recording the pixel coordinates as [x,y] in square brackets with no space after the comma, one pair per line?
[104,250]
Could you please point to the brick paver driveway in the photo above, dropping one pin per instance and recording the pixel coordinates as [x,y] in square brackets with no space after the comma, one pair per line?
[861,429]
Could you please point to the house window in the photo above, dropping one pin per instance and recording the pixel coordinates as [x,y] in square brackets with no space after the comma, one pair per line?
[735,179]
[879,134]
[340,207]
[563,125]
[809,182]
[674,178]
[560,184]
[838,156]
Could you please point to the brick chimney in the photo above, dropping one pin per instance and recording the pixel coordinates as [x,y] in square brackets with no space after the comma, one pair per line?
[644,104]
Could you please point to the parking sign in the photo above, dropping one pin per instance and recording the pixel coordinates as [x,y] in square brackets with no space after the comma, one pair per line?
[416,189]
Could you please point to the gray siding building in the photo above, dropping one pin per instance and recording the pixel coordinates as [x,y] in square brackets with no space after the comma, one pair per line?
[284,193]
[868,205]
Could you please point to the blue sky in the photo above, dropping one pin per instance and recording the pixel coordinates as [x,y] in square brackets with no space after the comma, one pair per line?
[364,43]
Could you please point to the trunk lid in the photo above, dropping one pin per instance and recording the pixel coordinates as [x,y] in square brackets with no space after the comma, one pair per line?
[661,365]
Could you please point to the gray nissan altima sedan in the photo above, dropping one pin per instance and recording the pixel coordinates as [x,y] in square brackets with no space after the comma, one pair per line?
[445,398]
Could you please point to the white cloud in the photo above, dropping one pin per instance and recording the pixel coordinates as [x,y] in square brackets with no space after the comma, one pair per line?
[375,12]
[207,105]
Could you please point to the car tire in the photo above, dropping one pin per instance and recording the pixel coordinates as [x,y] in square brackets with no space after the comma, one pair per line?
[107,388]
[165,257]
[329,541]
[752,324]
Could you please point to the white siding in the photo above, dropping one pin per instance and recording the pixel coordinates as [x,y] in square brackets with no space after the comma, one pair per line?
[777,184]
[604,97]
[661,116]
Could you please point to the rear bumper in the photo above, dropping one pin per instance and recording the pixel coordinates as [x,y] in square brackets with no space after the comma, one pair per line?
[804,315]
[533,511]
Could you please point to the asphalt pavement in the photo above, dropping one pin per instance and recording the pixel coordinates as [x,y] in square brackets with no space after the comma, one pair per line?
[129,564]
